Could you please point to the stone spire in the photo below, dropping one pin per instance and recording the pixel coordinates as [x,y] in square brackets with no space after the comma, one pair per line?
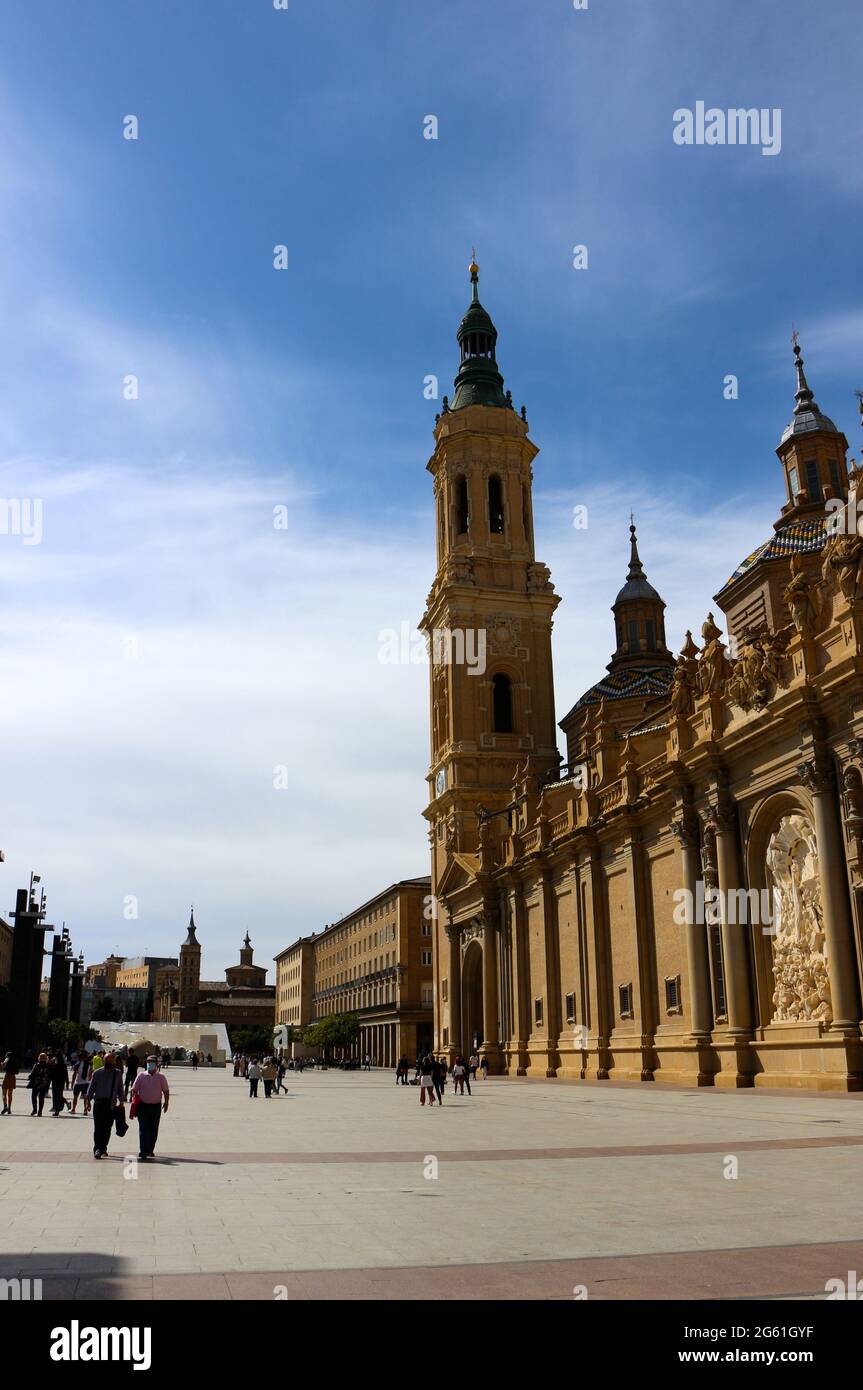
[807,417]
[804,397]
[191,939]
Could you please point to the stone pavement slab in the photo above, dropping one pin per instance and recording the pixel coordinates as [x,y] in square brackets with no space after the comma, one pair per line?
[349,1175]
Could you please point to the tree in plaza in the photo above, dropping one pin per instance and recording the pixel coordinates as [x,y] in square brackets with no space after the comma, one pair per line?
[336,1031]
[251,1041]
[65,1033]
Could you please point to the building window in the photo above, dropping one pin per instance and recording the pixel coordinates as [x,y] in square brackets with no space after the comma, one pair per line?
[719,1005]
[634,644]
[813,482]
[446,1037]
[425,957]
[570,1008]
[537,1012]
[525,514]
[672,994]
[462,506]
[651,635]
[502,704]
[793,484]
[427,996]
[625,992]
[835,477]
[443,990]
[495,506]
[426,927]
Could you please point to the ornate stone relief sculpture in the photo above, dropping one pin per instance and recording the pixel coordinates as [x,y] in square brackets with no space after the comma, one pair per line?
[802,984]
[504,633]
[843,561]
[757,672]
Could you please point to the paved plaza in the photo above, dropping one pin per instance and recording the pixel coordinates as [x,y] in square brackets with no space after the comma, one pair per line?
[347,1188]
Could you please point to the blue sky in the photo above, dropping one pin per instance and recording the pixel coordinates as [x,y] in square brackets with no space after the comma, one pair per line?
[151,777]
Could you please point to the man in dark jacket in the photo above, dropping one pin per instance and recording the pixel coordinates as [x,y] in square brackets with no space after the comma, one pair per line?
[133,1066]
[106,1093]
[59,1076]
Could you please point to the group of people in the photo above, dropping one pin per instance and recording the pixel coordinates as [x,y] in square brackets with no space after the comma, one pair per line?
[270,1070]
[102,1082]
[431,1074]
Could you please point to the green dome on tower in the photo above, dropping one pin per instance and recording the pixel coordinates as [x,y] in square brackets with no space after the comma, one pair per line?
[478,382]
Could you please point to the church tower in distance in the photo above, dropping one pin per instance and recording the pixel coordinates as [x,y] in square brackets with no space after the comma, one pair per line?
[190,973]
[488,621]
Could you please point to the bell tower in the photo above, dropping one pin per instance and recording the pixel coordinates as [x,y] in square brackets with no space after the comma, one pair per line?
[190,972]
[488,618]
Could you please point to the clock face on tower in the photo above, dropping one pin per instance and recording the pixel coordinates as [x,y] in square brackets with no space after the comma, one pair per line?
[440,782]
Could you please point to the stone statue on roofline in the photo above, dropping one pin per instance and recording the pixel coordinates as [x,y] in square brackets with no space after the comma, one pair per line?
[713,667]
[801,595]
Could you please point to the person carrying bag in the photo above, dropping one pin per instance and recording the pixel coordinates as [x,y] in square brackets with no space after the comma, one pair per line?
[106,1093]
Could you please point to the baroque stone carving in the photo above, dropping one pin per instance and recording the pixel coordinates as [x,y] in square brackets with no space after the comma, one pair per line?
[460,570]
[503,633]
[802,596]
[843,561]
[687,828]
[708,855]
[682,688]
[539,579]
[802,984]
[713,668]
[757,672]
[472,931]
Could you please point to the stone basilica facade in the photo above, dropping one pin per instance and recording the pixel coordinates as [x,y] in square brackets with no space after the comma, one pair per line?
[682,900]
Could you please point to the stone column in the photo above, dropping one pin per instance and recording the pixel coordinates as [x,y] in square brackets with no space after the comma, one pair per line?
[489,980]
[697,957]
[552,971]
[818,776]
[453,990]
[735,946]
[520,976]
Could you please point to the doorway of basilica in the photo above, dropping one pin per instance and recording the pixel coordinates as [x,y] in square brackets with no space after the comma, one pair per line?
[472,1032]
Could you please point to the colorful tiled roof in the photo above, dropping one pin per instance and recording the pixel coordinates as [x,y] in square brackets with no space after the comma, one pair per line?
[627,683]
[798,538]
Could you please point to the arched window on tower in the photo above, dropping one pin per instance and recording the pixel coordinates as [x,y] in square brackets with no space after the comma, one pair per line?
[495,506]
[502,704]
[462,507]
[813,480]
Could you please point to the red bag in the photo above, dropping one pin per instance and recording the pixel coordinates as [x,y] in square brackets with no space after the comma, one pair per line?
[133,1108]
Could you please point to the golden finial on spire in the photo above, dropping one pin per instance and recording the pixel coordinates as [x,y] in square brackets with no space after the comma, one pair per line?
[473,267]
